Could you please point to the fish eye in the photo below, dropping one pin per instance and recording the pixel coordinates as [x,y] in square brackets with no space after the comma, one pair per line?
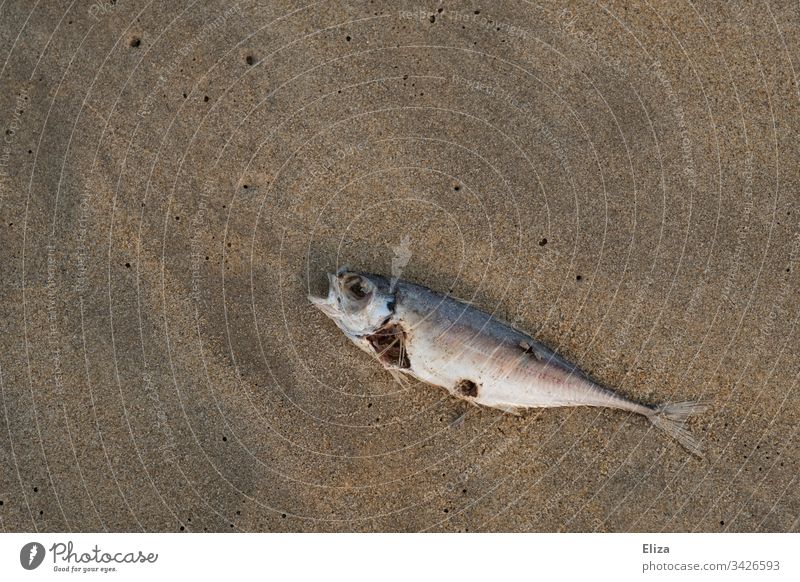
[356,287]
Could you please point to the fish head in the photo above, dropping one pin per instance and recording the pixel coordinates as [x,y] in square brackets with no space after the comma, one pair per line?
[359,303]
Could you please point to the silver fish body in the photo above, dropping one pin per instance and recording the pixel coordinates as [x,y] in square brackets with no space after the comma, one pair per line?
[445,342]
[476,356]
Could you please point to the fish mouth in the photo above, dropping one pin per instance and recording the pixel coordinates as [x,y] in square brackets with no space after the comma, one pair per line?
[317,301]
[324,304]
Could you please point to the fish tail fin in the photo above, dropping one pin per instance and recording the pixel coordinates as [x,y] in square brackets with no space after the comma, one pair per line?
[671,418]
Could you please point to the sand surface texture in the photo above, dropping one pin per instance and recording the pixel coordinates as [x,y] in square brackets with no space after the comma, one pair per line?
[619,180]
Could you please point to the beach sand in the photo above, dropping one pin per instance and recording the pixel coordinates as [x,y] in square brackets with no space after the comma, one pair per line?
[618,180]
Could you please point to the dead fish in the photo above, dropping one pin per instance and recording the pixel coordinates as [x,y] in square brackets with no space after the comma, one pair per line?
[437,339]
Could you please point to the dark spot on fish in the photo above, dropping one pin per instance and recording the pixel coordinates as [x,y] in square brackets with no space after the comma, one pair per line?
[467,388]
[355,286]
[389,343]
[542,242]
[357,290]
